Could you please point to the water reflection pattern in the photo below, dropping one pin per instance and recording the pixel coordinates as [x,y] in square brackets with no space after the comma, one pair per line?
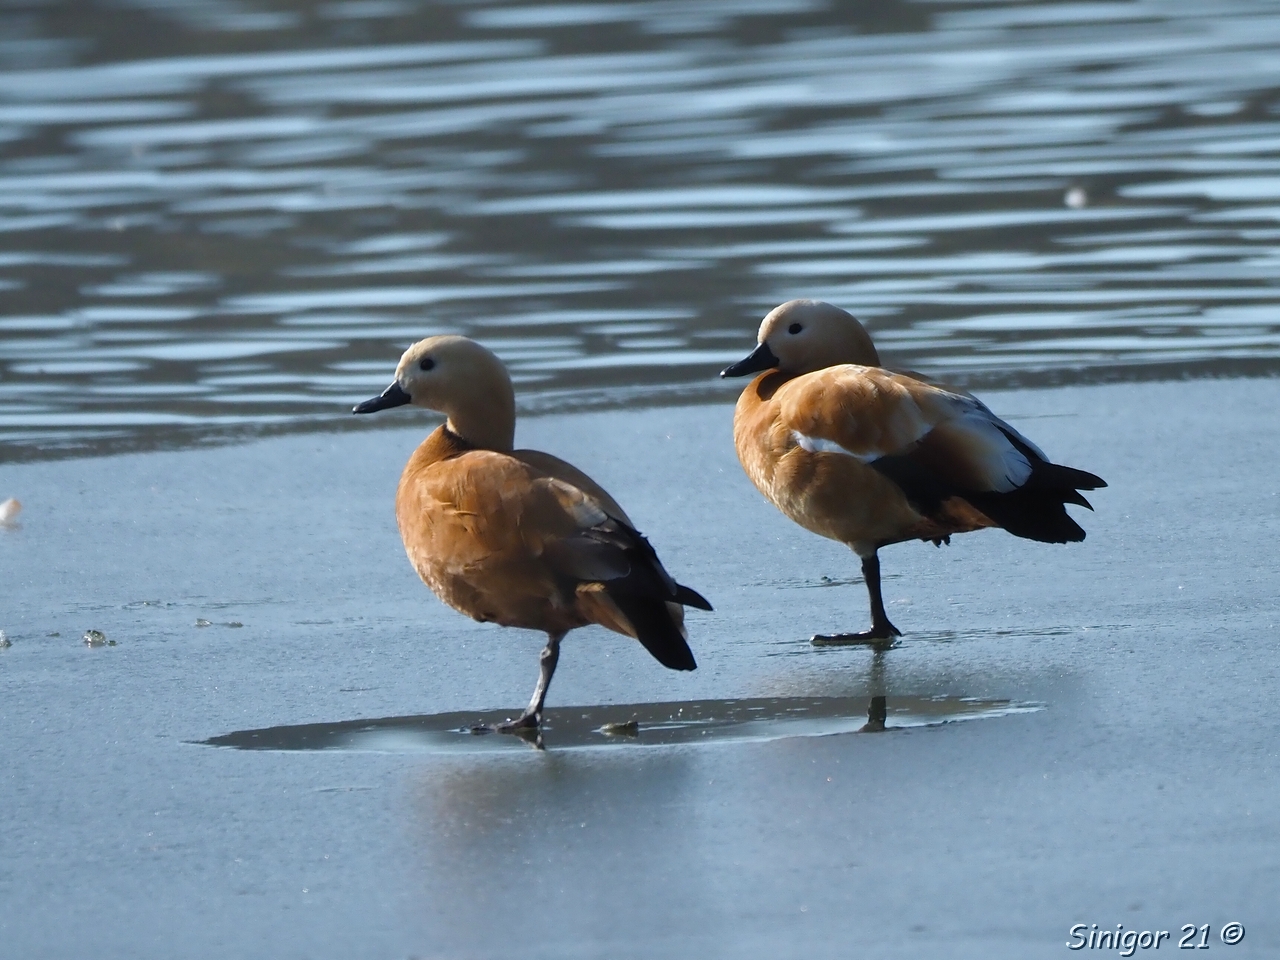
[223,216]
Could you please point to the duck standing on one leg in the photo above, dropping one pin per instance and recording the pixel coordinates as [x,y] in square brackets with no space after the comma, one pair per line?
[519,537]
[869,457]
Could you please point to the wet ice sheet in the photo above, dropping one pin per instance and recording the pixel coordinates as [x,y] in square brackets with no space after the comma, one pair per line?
[1143,792]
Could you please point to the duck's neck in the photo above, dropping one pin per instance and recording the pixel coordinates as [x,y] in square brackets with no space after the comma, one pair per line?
[763,387]
[487,422]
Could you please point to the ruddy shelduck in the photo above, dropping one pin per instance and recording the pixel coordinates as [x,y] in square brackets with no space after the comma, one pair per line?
[519,537]
[869,457]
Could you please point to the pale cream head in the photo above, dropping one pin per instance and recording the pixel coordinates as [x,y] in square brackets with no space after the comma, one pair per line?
[465,382]
[809,335]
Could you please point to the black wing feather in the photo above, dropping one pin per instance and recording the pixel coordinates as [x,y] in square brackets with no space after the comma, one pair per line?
[644,590]
[1035,511]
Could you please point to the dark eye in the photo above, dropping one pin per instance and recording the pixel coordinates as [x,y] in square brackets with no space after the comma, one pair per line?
[794,329]
[426,363]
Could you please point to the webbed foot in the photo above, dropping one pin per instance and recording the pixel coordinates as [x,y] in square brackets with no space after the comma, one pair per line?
[526,728]
[519,726]
[524,723]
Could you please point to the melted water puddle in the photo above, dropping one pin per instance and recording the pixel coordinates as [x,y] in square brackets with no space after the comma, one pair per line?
[648,724]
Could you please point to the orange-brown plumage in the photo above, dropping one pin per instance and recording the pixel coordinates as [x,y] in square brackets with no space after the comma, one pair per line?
[519,537]
[483,530]
[869,457]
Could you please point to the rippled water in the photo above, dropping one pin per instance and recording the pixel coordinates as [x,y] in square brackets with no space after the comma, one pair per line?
[233,215]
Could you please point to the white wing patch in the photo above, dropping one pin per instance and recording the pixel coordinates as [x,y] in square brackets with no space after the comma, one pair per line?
[586,513]
[974,405]
[819,445]
[1004,465]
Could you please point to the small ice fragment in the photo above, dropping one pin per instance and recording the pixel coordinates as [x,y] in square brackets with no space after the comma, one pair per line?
[202,622]
[630,728]
[9,509]
[96,638]
[1076,198]
[234,623]
[4,641]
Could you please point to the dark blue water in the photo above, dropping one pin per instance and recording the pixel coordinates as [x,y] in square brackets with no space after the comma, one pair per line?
[230,217]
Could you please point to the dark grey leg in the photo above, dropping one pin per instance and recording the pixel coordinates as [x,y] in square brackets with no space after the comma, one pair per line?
[880,625]
[532,716]
[882,631]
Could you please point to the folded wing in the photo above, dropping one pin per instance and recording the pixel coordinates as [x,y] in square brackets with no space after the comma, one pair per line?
[936,445]
[612,571]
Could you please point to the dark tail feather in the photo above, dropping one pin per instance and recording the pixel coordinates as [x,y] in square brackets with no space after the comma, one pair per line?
[691,598]
[1036,510]
[1076,497]
[1031,514]
[655,629]
[1056,476]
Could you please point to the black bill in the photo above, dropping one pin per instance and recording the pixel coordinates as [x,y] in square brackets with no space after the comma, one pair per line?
[761,358]
[393,396]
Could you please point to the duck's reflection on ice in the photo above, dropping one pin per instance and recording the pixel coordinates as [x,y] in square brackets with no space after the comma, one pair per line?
[877,713]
